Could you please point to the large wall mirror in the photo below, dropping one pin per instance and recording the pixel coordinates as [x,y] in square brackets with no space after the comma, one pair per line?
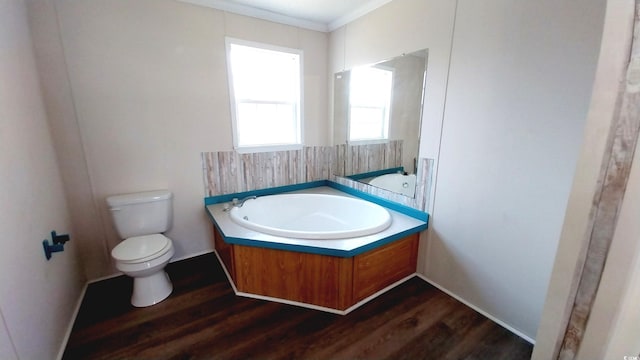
[377,116]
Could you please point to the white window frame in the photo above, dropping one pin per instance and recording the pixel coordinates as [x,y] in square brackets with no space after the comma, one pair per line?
[233,103]
[387,122]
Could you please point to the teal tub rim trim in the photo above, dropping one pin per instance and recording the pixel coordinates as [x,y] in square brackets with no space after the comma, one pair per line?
[376,173]
[406,210]
[319,250]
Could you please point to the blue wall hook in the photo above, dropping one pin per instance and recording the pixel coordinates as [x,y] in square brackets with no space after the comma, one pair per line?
[59,239]
[58,244]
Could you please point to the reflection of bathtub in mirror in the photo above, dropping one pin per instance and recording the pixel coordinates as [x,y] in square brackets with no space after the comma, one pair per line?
[403,184]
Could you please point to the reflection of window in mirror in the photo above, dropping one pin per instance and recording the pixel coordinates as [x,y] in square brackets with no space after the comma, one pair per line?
[369,103]
[265,92]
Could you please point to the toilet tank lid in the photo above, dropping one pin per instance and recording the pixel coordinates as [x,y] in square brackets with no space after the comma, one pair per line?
[139,197]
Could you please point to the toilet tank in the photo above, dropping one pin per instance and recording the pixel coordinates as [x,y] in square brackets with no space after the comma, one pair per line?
[142,213]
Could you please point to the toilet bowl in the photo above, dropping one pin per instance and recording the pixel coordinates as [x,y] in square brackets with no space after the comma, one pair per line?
[140,219]
[143,258]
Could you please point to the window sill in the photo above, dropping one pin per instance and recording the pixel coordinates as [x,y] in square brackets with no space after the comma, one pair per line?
[267,148]
[368,142]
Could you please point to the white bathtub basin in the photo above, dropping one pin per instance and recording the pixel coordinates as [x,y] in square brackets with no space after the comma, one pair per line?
[311,216]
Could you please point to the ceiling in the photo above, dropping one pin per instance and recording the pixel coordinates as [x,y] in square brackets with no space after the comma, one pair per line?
[320,15]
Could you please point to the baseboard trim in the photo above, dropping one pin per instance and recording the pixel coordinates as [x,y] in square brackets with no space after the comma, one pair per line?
[189,256]
[378,293]
[474,307]
[291,302]
[106,277]
[72,321]
[224,268]
[116,274]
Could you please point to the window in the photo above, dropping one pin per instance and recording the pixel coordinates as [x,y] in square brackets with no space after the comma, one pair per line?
[369,103]
[265,89]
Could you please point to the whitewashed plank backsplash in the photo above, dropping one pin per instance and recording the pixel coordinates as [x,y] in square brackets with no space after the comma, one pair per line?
[228,172]
[371,157]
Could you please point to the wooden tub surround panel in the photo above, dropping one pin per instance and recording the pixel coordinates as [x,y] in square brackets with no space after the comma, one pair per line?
[225,251]
[308,278]
[322,280]
[377,269]
[345,298]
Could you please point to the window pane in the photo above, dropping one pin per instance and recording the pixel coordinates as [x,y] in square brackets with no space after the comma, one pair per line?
[369,103]
[261,74]
[266,93]
[266,124]
[366,123]
[370,87]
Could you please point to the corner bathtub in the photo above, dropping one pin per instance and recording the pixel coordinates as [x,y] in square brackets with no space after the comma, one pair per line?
[335,275]
[311,216]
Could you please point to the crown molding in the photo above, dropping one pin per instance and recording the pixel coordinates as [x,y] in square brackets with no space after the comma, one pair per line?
[356,13]
[259,13]
[226,5]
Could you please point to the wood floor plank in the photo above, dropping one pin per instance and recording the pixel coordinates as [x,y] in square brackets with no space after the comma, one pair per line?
[210,296]
[384,340]
[345,332]
[438,340]
[210,331]
[203,319]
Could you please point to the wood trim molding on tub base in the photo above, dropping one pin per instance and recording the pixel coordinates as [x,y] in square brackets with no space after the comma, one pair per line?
[328,283]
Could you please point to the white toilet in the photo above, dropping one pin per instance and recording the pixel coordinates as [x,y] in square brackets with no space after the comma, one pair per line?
[140,218]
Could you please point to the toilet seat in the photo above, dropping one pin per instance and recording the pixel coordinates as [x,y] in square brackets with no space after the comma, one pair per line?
[141,248]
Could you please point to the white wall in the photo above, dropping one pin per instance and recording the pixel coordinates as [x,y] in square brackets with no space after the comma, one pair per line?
[149,84]
[519,88]
[37,297]
[7,350]
[58,98]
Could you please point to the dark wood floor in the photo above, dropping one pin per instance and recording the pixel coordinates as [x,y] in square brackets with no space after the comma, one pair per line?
[203,319]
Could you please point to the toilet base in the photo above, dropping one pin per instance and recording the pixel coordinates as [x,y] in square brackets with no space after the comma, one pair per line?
[150,290]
